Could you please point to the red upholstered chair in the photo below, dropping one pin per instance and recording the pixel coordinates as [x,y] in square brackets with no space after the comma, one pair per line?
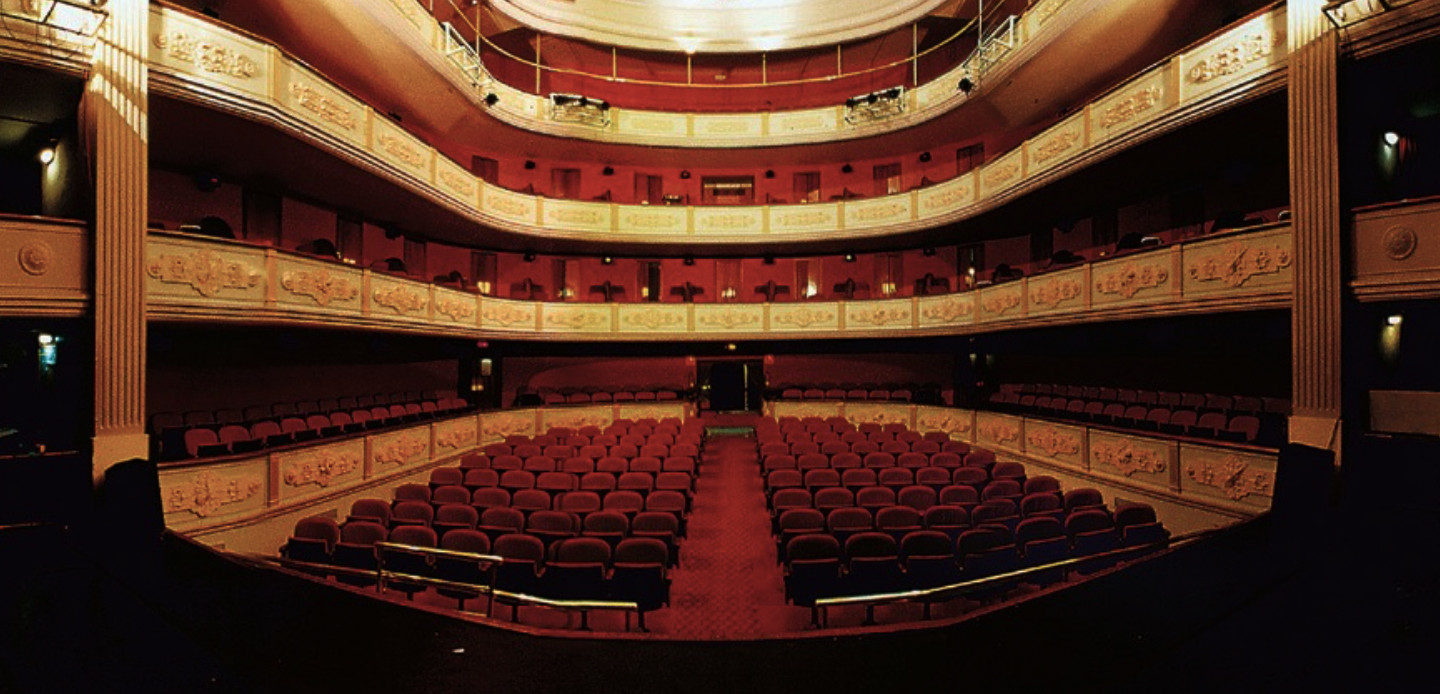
[312,540]
[356,550]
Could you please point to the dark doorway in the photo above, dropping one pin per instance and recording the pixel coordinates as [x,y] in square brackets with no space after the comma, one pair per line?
[730,385]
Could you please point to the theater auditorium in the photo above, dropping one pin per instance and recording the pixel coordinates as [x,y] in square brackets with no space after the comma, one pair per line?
[670,345]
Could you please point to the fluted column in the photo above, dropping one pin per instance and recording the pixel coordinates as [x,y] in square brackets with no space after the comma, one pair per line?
[1315,209]
[116,112]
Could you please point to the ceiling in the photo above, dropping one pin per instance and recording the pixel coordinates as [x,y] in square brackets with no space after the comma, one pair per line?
[711,26]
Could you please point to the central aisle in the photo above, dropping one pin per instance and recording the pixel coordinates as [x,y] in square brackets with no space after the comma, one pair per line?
[729,585]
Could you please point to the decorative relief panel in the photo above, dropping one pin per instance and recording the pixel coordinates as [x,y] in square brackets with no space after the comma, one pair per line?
[403,300]
[1126,279]
[209,54]
[1249,262]
[515,207]
[455,181]
[1042,12]
[212,491]
[652,219]
[633,411]
[496,426]
[206,272]
[959,424]
[791,408]
[315,284]
[571,215]
[785,317]
[651,124]
[1002,173]
[729,220]
[877,212]
[1230,475]
[1144,460]
[401,149]
[795,219]
[456,306]
[652,318]
[506,315]
[322,105]
[1004,301]
[723,318]
[946,197]
[457,435]
[577,318]
[997,430]
[711,126]
[1235,55]
[1055,291]
[808,122]
[401,448]
[865,413]
[1393,250]
[878,314]
[577,417]
[950,309]
[1056,144]
[320,468]
[1055,442]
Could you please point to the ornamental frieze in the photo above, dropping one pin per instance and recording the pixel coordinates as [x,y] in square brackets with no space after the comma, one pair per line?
[321,469]
[507,205]
[506,315]
[1130,107]
[579,217]
[650,411]
[319,285]
[400,449]
[1126,458]
[501,426]
[996,176]
[879,212]
[204,271]
[804,317]
[1055,146]
[802,219]
[1237,262]
[576,420]
[402,150]
[998,304]
[727,319]
[946,199]
[1231,476]
[400,300]
[459,436]
[1054,293]
[999,431]
[1052,441]
[578,319]
[457,309]
[1130,279]
[729,221]
[877,415]
[314,101]
[948,311]
[654,319]
[880,316]
[945,422]
[458,183]
[1232,58]
[205,493]
[207,56]
[661,220]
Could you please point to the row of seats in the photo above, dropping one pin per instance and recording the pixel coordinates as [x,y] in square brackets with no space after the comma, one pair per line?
[205,441]
[1261,429]
[877,460]
[901,394]
[1203,402]
[594,451]
[575,396]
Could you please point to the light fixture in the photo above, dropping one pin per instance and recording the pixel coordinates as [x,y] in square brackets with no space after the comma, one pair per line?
[1394,320]
[47,154]
[685,173]
[965,85]
[1343,13]
[606,260]
[529,257]
[847,169]
[689,260]
[732,347]
[1391,137]
[927,251]
[769,173]
[529,164]
[849,257]
[607,171]
[491,99]
[924,157]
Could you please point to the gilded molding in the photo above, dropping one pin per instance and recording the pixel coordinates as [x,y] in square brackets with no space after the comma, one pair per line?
[35,258]
[456,309]
[999,431]
[1130,279]
[1130,107]
[204,271]
[577,319]
[880,315]
[1232,477]
[728,319]
[506,314]
[1126,458]
[400,149]
[205,493]
[1238,261]
[400,449]
[1055,293]
[1232,58]
[400,300]
[998,304]
[578,217]
[458,436]
[949,310]
[1052,441]
[312,100]
[654,319]
[1055,146]
[207,56]
[804,317]
[320,469]
[319,285]
[730,221]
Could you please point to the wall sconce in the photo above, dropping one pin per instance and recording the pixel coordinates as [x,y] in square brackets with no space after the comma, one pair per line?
[47,153]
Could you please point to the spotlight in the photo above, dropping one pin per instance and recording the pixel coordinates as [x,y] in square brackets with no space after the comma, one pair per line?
[849,257]
[491,99]
[606,260]
[1394,320]
[46,155]
[965,85]
[685,173]
[924,156]
[607,171]
[529,164]
[847,169]
[1392,138]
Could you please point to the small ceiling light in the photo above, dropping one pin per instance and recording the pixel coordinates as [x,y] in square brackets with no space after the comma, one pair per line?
[685,173]
[1394,320]
[1392,138]
[965,85]
[491,99]
[924,156]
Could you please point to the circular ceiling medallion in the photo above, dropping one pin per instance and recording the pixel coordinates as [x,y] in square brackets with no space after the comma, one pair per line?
[1399,242]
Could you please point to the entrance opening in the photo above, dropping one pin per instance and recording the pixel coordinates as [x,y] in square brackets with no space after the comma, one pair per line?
[730,385]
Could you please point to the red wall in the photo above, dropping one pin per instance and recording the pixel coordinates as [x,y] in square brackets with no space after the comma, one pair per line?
[174,200]
[183,387]
[860,368]
[612,373]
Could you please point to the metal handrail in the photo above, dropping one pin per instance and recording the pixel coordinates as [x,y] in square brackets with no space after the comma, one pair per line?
[873,599]
[915,58]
